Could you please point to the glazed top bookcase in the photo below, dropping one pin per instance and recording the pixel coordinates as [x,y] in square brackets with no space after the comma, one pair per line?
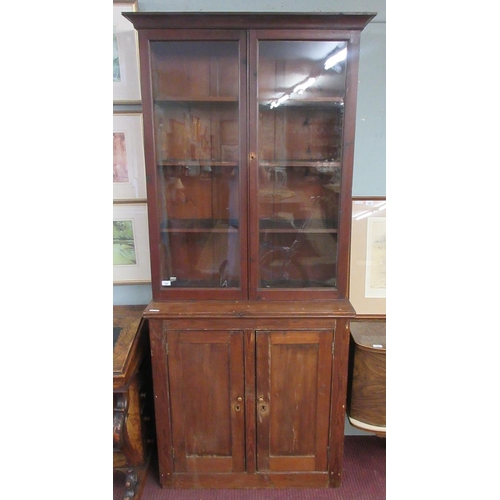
[249,141]
[249,151]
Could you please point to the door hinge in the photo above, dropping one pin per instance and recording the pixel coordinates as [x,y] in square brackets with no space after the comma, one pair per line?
[333,347]
[166,348]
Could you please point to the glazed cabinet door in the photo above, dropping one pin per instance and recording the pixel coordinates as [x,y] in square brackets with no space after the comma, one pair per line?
[206,377]
[195,115]
[293,400]
[301,150]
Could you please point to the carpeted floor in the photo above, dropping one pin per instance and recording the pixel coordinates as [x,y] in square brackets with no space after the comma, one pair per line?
[364,479]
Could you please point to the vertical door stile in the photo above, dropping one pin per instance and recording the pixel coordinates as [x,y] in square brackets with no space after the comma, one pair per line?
[177,415]
[263,383]
[250,399]
[244,162]
[237,388]
[253,162]
[323,408]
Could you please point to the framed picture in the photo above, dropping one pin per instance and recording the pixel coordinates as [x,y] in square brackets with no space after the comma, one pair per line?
[126,86]
[368,256]
[129,171]
[131,261]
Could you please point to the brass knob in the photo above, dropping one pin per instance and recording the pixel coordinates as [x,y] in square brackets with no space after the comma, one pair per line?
[240,398]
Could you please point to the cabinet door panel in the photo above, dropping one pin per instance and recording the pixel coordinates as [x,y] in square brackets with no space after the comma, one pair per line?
[293,399]
[206,380]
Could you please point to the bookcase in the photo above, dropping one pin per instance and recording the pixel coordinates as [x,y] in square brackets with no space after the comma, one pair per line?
[249,124]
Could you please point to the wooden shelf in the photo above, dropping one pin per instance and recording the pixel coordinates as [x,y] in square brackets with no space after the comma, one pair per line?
[297,226]
[201,226]
[295,231]
[310,101]
[193,98]
[321,164]
[197,163]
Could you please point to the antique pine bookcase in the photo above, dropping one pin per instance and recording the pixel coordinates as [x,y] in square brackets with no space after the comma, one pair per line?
[249,124]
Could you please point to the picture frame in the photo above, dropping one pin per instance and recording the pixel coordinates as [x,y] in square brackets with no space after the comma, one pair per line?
[126,84]
[367,282]
[131,260]
[129,169]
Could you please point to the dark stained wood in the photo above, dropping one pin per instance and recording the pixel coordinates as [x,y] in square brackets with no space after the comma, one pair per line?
[235,20]
[290,366]
[162,400]
[206,379]
[132,397]
[347,163]
[367,390]
[267,480]
[241,310]
[293,398]
[250,380]
[338,406]
[204,200]
[128,349]
[179,80]
[344,208]
[214,317]
[250,402]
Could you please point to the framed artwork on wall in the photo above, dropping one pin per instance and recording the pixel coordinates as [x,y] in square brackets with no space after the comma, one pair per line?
[368,256]
[131,262]
[129,173]
[126,86]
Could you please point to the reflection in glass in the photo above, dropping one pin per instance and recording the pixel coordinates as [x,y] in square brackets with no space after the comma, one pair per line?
[195,85]
[301,93]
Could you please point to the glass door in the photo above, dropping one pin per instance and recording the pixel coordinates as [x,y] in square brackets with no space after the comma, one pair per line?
[298,148]
[198,98]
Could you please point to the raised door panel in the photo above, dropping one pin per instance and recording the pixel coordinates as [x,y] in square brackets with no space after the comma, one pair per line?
[206,384]
[293,400]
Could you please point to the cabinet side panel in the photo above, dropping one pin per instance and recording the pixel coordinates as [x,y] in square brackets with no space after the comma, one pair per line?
[338,407]
[162,401]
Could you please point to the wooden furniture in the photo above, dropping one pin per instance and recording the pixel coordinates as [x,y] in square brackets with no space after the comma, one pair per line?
[133,433]
[366,397]
[249,126]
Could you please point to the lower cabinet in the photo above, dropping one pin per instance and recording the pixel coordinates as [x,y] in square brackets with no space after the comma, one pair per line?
[249,406]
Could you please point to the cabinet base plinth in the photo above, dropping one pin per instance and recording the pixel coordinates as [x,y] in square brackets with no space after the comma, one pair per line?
[259,480]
